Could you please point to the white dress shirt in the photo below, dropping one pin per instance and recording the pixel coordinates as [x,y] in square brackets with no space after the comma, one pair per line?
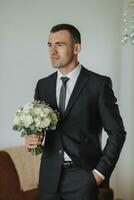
[73,75]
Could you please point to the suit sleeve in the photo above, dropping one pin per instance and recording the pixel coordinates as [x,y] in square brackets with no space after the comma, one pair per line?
[113,125]
[36,95]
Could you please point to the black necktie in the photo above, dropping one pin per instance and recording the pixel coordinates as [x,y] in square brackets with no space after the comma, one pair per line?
[62,97]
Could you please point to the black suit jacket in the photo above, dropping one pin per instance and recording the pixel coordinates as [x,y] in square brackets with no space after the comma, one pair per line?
[92,107]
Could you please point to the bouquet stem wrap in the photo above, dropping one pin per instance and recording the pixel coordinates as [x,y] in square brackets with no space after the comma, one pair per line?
[36,151]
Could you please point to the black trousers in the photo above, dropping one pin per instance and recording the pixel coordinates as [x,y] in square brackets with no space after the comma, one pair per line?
[76,184]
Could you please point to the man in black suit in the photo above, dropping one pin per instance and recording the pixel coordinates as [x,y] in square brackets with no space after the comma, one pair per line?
[73,164]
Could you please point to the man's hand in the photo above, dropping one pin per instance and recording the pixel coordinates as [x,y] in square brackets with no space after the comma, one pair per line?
[33,140]
[97,178]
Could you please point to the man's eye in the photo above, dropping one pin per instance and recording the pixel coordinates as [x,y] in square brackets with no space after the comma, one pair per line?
[60,44]
[49,45]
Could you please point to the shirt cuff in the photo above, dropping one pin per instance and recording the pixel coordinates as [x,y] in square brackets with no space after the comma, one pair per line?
[100,174]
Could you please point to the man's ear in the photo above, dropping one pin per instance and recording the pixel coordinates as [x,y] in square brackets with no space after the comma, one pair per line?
[77,48]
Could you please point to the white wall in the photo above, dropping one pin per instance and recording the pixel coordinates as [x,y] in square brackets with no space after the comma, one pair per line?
[24,29]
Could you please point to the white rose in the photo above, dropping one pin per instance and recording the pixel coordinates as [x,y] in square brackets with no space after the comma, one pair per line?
[37,122]
[46,111]
[42,114]
[45,123]
[37,111]
[16,120]
[27,120]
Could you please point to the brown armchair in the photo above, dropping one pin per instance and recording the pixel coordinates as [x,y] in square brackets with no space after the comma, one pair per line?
[19,176]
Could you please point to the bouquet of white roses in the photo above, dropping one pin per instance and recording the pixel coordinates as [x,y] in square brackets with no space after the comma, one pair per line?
[35,117]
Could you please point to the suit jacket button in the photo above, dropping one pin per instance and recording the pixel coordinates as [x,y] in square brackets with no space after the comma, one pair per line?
[60,151]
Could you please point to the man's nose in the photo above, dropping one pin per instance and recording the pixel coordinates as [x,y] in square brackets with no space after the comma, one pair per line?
[53,50]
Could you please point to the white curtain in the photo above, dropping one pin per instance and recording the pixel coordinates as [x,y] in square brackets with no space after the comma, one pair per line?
[123,181]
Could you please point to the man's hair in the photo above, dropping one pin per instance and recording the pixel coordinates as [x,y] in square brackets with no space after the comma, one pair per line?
[74,33]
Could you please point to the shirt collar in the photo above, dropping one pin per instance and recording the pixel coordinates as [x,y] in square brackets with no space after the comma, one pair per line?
[73,75]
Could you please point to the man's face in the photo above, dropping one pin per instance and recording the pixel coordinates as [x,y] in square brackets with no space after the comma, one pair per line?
[61,49]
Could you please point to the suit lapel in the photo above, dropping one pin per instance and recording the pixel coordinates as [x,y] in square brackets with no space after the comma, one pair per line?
[52,91]
[80,83]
